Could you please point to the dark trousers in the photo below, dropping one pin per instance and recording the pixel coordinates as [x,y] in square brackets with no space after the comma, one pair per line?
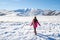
[35,31]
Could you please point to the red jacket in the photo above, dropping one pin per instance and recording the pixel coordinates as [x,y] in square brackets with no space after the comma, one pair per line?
[35,24]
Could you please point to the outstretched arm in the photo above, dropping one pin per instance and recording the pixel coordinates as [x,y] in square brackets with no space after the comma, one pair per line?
[39,24]
[31,23]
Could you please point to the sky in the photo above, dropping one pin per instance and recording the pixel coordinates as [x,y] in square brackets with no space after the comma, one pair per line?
[38,4]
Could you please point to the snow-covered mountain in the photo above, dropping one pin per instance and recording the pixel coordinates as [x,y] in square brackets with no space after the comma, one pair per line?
[30,12]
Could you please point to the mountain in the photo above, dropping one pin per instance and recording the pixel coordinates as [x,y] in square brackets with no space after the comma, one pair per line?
[30,12]
[3,12]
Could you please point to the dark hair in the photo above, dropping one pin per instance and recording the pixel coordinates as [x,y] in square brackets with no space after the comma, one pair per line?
[35,19]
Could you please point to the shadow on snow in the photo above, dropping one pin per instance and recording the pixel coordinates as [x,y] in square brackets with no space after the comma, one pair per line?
[45,37]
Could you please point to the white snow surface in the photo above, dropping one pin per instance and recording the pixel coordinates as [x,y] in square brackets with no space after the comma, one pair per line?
[18,28]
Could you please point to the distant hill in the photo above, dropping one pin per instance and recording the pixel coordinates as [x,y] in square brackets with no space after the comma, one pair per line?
[30,12]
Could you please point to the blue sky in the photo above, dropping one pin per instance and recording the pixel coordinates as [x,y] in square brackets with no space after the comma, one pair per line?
[21,4]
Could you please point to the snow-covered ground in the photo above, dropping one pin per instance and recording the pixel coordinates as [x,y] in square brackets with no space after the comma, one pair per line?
[18,28]
[15,18]
[23,31]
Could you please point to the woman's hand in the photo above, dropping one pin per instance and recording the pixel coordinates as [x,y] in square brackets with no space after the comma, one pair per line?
[39,25]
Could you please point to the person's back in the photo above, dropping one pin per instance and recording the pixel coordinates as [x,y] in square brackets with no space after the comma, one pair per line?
[35,23]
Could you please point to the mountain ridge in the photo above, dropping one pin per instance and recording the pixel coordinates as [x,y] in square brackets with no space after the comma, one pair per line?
[30,12]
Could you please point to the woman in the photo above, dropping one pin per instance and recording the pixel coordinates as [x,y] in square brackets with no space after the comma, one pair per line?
[35,23]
